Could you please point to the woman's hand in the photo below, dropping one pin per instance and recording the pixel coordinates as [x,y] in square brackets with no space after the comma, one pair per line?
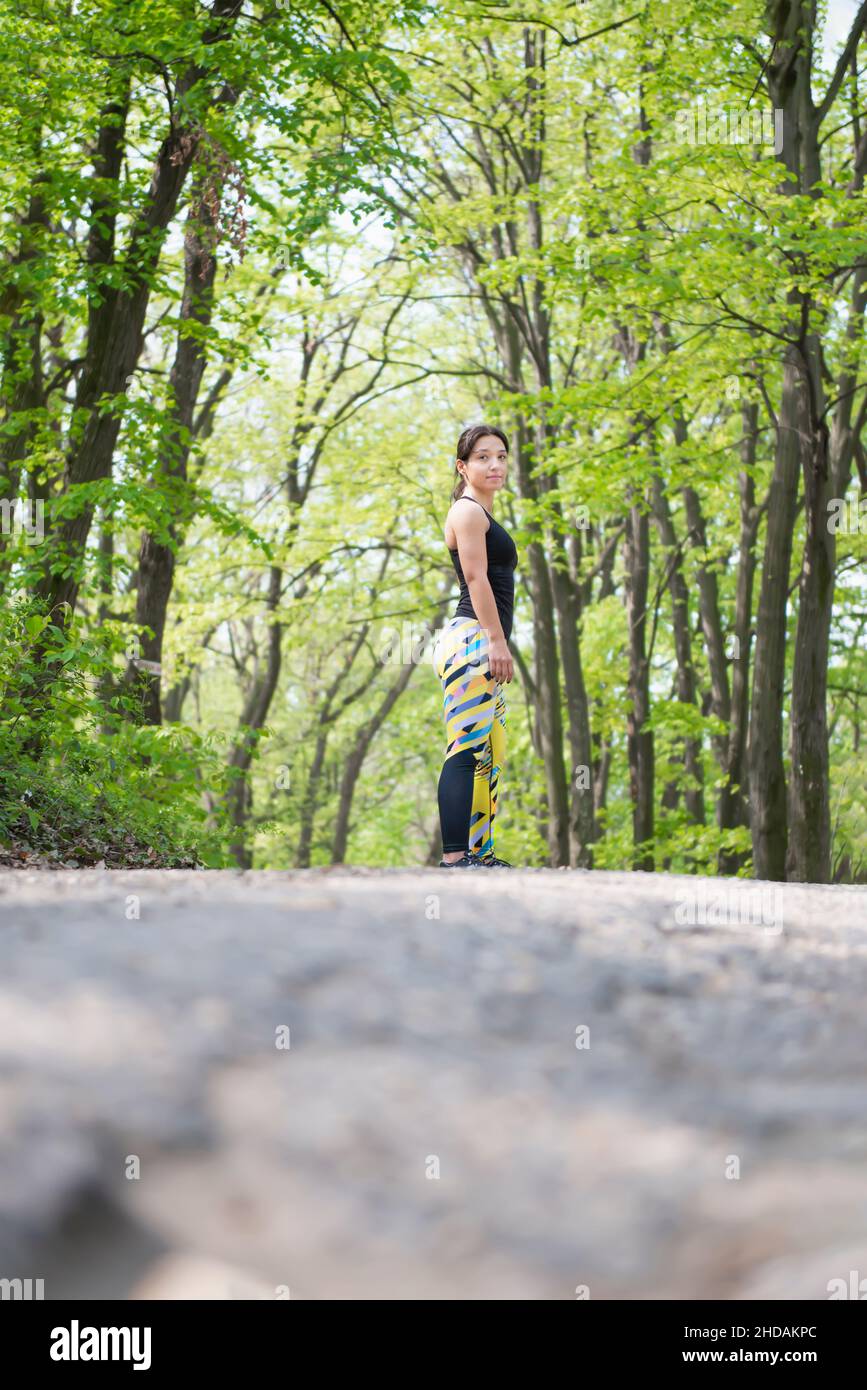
[500,658]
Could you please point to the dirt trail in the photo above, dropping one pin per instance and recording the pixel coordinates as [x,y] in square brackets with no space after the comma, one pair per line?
[431,1130]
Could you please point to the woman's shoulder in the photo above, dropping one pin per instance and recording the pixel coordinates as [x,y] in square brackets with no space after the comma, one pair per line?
[455,509]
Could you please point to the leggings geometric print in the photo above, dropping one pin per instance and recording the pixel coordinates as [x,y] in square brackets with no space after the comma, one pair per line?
[474,710]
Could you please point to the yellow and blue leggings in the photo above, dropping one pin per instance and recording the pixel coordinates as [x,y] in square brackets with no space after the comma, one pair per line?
[474,709]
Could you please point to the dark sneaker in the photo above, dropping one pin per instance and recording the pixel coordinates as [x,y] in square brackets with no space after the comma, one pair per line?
[491,861]
[469,861]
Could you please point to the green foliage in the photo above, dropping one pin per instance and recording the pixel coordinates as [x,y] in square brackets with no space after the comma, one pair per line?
[385,181]
[79,784]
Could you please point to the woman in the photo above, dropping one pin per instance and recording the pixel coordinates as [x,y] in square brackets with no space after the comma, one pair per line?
[471,654]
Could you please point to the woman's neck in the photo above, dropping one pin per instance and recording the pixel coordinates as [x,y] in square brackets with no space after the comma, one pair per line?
[486,499]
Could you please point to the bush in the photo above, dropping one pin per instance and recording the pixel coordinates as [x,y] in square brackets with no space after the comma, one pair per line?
[80,783]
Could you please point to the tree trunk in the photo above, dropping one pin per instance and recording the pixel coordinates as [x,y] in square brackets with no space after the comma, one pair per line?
[355,760]
[22,385]
[116,324]
[809,848]
[601,747]
[733,805]
[582,830]
[798,444]
[767,777]
[826,470]
[311,800]
[686,684]
[253,716]
[639,739]
[156,559]
[325,716]
[546,673]
[709,610]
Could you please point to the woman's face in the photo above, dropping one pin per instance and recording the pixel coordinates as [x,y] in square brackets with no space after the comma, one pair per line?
[486,467]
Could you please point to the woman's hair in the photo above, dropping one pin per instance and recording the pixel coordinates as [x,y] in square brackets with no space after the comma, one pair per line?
[466,444]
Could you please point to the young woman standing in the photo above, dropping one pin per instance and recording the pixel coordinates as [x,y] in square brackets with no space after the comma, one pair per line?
[471,654]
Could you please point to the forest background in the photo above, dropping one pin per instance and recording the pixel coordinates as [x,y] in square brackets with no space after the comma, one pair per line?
[261,263]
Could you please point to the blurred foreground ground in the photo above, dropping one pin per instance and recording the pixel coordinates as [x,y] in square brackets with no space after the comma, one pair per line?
[432,1025]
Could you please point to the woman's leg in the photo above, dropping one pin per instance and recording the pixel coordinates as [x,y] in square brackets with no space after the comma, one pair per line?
[489,770]
[474,715]
[455,798]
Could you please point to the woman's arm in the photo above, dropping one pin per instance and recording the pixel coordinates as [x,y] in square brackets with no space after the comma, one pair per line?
[469,527]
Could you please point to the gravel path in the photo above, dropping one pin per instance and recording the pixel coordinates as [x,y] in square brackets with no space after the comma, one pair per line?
[509,1084]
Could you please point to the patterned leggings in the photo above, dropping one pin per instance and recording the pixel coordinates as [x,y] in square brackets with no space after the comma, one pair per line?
[474,708]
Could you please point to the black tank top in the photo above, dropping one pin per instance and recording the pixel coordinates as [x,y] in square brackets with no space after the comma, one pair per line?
[502,559]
